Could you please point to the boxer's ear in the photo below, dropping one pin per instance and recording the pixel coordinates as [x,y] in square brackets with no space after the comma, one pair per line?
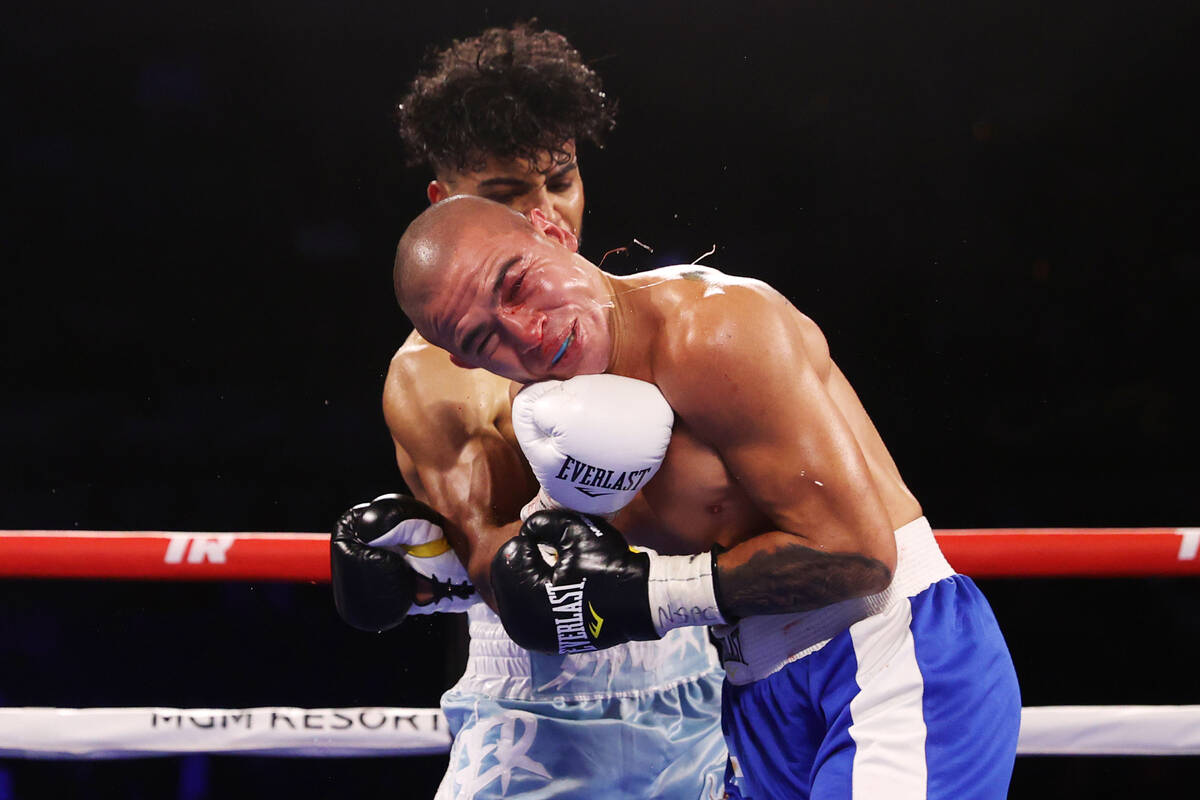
[436,191]
[555,233]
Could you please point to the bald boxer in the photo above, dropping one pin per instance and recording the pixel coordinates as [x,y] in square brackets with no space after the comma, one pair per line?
[858,663]
[500,115]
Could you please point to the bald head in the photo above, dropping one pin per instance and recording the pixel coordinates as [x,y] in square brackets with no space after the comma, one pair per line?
[502,292]
[430,241]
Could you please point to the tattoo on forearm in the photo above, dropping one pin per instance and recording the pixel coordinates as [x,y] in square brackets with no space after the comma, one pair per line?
[797,578]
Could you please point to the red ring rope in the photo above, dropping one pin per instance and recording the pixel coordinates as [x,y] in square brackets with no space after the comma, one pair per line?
[159,555]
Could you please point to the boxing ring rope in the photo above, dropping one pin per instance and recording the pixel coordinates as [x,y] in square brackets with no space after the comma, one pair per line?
[95,733]
[331,732]
[304,557]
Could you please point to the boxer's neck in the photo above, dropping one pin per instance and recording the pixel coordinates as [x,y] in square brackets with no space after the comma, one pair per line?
[632,321]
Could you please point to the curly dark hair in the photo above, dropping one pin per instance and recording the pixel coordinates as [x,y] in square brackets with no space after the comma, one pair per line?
[513,93]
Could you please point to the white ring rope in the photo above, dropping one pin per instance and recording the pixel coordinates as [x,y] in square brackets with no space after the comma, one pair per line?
[80,733]
[1110,731]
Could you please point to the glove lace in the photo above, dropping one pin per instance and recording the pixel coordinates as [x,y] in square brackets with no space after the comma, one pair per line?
[443,589]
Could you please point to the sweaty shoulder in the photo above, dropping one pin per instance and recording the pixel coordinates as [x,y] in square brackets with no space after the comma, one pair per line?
[425,394]
[721,329]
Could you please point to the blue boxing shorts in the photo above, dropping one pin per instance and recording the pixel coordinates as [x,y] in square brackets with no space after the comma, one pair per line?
[640,720]
[907,694]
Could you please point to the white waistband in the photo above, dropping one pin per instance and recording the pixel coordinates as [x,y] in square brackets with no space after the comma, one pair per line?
[756,647]
[498,667]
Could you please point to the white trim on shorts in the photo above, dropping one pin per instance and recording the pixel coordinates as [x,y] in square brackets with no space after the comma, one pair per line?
[888,725]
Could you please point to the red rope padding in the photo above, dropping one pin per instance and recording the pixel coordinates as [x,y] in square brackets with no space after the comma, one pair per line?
[155,555]
[159,555]
[1072,552]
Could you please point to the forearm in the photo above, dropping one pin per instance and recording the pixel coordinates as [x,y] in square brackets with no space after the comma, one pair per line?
[775,573]
[480,495]
[475,536]
[485,544]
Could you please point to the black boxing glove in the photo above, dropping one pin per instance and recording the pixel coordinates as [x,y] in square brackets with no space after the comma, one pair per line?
[378,553]
[598,592]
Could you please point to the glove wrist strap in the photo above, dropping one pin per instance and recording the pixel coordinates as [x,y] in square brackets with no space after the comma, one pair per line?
[682,593]
[542,501]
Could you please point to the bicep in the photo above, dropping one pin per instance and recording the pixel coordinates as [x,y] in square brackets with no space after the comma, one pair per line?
[798,460]
[764,406]
[466,470]
[480,483]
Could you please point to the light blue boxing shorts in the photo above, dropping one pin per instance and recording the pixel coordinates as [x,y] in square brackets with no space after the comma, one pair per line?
[907,694]
[641,720]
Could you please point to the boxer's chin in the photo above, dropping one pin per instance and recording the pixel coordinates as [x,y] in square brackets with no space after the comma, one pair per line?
[592,348]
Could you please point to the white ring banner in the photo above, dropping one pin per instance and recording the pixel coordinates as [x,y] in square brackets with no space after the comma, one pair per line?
[135,732]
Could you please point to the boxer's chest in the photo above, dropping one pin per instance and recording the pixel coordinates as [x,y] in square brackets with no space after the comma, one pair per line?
[697,500]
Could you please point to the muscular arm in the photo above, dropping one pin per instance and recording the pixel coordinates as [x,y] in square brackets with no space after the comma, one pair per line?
[444,422]
[751,378]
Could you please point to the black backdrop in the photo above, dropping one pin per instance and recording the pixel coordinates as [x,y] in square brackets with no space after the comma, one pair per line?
[988,206]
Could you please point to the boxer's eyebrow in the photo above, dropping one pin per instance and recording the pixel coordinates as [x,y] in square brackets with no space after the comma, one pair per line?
[516,183]
[524,185]
[570,166]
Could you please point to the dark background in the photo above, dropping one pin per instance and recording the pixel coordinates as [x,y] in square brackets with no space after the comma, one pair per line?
[988,206]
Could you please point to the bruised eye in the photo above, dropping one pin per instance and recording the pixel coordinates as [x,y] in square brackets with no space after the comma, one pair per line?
[515,288]
[487,345]
[559,187]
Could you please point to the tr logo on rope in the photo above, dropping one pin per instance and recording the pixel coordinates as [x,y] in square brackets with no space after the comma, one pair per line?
[198,548]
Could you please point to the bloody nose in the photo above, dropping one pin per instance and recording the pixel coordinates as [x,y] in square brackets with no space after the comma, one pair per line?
[526,326]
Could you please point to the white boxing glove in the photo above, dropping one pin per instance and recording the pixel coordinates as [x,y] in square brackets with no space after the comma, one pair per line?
[593,441]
